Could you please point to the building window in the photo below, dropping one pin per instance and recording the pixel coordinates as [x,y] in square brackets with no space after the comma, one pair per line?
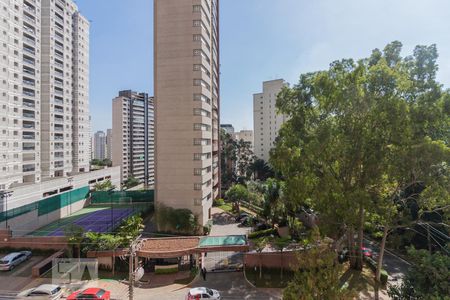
[196,8]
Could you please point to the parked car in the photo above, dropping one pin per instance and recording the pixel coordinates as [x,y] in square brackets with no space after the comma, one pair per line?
[344,254]
[367,252]
[242,216]
[90,293]
[203,293]
[11,260]
[44,291]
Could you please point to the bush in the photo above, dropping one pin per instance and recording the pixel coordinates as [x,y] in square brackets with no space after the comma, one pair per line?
[218,202]
[171,220]
[384,277]
[262,233]
[166,271]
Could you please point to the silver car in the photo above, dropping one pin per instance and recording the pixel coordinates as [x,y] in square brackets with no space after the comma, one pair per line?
[11,260]
[44,291]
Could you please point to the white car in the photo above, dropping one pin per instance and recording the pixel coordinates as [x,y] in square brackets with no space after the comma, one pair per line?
[11,260]
[44,291]
[203,293]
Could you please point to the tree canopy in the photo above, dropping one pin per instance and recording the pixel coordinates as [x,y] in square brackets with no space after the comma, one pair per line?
[360,131]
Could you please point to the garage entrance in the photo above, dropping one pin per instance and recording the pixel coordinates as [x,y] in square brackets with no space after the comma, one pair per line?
[224,261]
[223,253]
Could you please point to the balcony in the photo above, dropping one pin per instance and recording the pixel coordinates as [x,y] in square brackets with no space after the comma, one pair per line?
[58,101]
[59,120]
[58,46]
[59,137]
[29,50]
[29,70]
[59,146]
[59,64]
[59,128]
[59,92]
[59,164]
[59,37]
[28,157]
[59,109]
[28,136]
[59,83]
[59,26]
[28,92]
[28,60]
[29,40]
[29,29]
[59,154]
[29,18]
[28,115]
[28,147]
[29,8]
[28,125]
[59,18]
[28,82]
[28,103]
[28,168]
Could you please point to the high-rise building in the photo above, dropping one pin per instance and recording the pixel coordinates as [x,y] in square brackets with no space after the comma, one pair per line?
[228,128]
[245,135]
[133,140]
[100,145]
[44,85]
[266,120]
[186,84]
[108,143]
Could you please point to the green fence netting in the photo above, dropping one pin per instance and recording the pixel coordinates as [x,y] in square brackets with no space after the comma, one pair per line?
[122,197]
[47,205]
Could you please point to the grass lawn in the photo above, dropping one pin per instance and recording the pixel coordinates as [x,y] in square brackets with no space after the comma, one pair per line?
[271,278]
[226,207]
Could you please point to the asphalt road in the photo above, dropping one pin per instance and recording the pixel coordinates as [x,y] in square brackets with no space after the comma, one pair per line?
[394,265]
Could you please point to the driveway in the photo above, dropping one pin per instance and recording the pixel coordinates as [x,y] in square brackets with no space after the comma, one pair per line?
[19,277]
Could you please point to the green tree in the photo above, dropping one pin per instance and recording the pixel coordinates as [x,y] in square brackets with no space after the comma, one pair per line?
[75,235]
[352,132]
[131,182]
[244,160]
[427,278]
[236,194]
[260,169]
[317,277]
[101,241]
[131,228]
[228,159]
[104,186]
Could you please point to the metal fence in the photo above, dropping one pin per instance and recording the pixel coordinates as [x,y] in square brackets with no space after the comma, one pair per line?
[123,197]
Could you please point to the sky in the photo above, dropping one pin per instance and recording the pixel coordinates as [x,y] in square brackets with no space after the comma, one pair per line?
[259,40]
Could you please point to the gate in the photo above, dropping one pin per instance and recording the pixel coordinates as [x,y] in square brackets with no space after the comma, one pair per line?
[224,261]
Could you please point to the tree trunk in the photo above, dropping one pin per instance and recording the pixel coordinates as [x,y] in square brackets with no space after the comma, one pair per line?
[260,265]
[359,258]
[281,275]
[351,248]
[380,262]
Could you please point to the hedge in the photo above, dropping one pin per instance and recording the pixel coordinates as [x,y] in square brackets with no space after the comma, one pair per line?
[166,271]
[261,233]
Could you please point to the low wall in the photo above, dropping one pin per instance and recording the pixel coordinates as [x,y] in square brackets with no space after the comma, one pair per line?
[31,242]
[271,259]
[40,268]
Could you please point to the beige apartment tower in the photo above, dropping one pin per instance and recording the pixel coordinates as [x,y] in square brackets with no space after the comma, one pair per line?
[266,121]
[186,85]
[44,87]
[132,137]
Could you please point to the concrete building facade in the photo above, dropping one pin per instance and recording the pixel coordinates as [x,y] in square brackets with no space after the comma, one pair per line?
[246,136]
[186,84]
[133,140]
[266,120]
[228,128]
[99,145]
[109,143]
[44,86]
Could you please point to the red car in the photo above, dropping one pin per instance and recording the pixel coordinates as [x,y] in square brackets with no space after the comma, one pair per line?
[91,293]
[367,252]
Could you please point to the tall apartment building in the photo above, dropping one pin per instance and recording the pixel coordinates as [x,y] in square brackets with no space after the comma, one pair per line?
[245,135]
[100,145]
[109,143]
[44,83]
[133,140]
[186,83]
[266,120]
[228,128]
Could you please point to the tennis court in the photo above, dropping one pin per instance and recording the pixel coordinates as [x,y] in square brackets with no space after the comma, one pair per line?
[98,218]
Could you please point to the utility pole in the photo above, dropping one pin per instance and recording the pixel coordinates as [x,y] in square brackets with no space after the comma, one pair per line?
[134,246]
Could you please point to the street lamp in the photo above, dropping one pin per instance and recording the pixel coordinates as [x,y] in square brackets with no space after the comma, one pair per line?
[110,192]
[5,195]
[69,181]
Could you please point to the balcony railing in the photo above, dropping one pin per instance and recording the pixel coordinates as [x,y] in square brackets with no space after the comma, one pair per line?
[58,101]
[59,164]
[28,147]
[29,71]
[59,138]
[28,82]
[58,46]
[28,104]
[59,55]
[59,120]
[60,65]
[58,92]
[28,168]
[58,83]
[28,125]
[29,8]
[29,40]
[29,19]
[28,136]
[28,61]
[60,110]
[59,128]
[29,30]
[28,115]
[59,147]
[29,93]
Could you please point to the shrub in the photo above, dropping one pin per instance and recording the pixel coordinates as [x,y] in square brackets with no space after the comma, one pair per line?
[218,202]
[262,233]
[383,277]
[166,271]
[171,220]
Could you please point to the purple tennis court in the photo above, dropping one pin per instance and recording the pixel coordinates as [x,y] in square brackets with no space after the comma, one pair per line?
[94,219]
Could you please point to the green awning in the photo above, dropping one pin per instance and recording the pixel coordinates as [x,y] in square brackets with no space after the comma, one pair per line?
[229,240]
